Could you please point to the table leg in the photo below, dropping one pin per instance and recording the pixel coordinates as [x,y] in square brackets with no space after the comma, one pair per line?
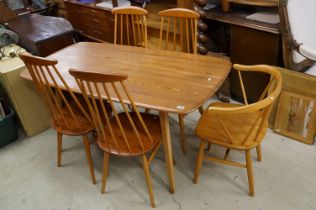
[166,139]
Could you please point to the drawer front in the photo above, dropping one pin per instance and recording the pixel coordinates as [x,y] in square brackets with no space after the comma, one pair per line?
[97,23]
[97,13]
[104,35]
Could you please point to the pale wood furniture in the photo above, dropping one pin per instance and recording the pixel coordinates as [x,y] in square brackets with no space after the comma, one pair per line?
[68,117]
[161,80]
[27,103]
[238,127]
[263,3]
[181,29]
[126,133]
[178,31]
[298,36]
[130,26]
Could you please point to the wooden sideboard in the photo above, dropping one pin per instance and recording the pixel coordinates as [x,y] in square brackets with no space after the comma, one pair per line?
[93,22]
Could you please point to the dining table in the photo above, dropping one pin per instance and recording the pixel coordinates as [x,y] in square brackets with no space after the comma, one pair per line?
[165,81]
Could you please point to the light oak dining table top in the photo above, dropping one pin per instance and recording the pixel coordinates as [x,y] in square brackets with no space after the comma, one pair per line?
[169,81]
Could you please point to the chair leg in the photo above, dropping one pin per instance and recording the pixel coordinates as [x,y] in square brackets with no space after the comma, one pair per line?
[209,146]
[226,154]
[59,148]
[258,148]
[182,133]
[89,158]
[105,171]
[201,110]
[250,173]
[148,181]
[199,162]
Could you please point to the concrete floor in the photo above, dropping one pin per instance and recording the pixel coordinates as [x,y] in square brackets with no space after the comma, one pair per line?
[29,178]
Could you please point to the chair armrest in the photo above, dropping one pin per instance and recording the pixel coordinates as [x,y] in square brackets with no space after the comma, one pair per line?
[308,52]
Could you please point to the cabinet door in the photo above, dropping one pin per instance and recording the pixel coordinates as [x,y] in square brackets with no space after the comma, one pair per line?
[251,47]
[75,16]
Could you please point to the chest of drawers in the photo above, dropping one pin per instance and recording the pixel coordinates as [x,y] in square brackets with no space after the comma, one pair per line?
[93,22]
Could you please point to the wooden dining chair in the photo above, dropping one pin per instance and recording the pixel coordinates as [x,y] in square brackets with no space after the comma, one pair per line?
[126,133]
[130,27]
[68,116]
[178,31]
[237,126]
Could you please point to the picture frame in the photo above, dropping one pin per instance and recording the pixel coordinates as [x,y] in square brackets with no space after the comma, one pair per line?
[296,117]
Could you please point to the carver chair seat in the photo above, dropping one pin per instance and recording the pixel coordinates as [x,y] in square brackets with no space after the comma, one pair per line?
[210,128]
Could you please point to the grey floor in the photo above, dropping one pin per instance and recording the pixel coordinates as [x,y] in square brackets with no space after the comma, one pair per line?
[29,178]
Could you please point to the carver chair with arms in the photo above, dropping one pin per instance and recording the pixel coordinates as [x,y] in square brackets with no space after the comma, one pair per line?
[238,126]
[178,32]
[126,133]
[298,34]
[68,116]
[130,27]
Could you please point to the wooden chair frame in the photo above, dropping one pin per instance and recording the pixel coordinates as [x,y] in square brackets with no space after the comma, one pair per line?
[134,18]
[180,22]
[254,136]
[181,26]
[289,44]
[95,85]
[65,119]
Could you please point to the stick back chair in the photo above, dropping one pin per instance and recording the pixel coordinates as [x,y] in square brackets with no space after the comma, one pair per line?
[130,26]
[236,126]
[68,116]
[181,30]
[126,133]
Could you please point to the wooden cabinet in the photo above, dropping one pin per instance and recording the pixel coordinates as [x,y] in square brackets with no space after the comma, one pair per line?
[93,22]
[250,42]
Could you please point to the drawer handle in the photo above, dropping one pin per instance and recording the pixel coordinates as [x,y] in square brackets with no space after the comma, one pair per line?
[97,32]
[93,11]
[96,21]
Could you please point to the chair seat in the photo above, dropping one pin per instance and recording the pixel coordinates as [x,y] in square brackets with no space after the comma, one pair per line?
[66,124]
[151,121]
[212,131]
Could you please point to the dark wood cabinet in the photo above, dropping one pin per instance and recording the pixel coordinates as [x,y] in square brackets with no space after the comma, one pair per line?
[93,22]
[250,43]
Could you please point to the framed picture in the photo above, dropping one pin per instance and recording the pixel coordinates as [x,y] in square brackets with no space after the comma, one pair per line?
[296,117]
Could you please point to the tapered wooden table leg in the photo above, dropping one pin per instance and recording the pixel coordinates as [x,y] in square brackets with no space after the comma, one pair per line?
[166,139]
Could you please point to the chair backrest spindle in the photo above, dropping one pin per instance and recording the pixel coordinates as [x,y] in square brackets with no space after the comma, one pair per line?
[181,28]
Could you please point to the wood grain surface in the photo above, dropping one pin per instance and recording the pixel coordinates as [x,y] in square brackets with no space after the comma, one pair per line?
[161,80]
